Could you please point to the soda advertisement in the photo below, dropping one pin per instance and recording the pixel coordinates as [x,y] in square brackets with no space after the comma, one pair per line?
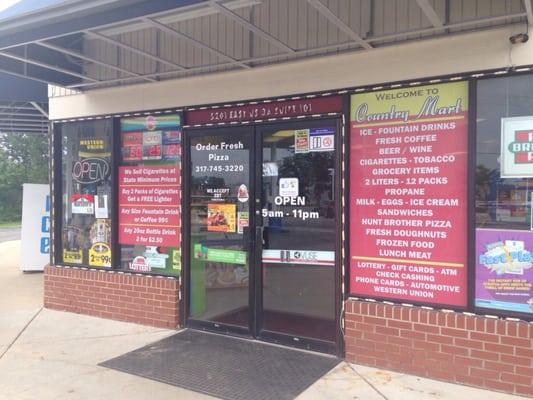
[408,194]
[504,270]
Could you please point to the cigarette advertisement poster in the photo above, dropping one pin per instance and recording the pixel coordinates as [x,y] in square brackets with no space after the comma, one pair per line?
[149,210]
[221,217]
[504,270]
[408,194]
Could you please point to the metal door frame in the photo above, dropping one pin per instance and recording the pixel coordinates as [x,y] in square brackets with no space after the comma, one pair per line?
[255,238]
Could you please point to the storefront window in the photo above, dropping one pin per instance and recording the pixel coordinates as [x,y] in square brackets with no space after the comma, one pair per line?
[150,194]
[504,180]
[87,193]
[408,194]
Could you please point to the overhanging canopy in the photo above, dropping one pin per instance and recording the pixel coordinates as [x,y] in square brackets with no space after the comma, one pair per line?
[89,44]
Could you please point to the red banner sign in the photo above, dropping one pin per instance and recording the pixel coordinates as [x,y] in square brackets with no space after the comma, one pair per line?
[274,109]
[408,194]
[149,206]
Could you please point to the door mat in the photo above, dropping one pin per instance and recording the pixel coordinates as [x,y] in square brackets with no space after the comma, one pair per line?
[226,367]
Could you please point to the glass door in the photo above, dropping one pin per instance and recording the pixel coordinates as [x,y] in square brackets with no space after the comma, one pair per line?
[263,232]
[221,206]
[298,237]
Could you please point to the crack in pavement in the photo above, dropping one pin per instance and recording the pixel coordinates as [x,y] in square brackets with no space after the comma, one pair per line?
[21,332]
[367,382]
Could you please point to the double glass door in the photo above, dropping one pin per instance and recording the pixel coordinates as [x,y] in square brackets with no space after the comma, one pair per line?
[263,232]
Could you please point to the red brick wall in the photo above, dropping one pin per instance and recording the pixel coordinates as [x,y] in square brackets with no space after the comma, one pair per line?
[475,350]
[143,300]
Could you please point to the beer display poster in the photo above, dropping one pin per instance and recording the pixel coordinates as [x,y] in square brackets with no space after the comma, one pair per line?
[504,270]
[408,194]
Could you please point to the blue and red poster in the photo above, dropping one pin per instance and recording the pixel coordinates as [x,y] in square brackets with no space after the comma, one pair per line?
[504,270]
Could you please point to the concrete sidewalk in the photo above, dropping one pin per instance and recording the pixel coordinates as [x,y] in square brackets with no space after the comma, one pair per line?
[48,354]
[9,234]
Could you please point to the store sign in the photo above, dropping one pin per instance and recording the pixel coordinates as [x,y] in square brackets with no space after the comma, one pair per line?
[504,270]
[274,109]
[308,257]
[150,123]
[139,264]
[517,147]
[176,259]
[152,142]
[93,147]
[243,221]
[151,138]
[82,204]
[221,217]
[314,139]
[289,187]
[72,257]
[408,194]
[100,255]
[210,254]
[322,139]
[90,170]
[149,205]
[73,244]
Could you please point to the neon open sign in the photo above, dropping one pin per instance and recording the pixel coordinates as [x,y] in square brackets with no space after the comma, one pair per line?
[90,170]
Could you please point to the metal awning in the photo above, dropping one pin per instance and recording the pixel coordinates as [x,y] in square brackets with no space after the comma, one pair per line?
[83,45]
[23,101]
[23,105]
[29,117]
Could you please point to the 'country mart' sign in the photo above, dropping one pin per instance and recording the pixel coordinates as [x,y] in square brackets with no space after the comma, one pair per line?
[408,194]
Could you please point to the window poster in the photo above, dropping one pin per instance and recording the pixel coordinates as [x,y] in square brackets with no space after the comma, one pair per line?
[86,230]
[408,194]
[517,147]
[221,217]
[150,194]
[314,140]
[504,270]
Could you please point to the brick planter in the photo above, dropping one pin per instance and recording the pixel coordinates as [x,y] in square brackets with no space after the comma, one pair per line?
[475,350]
[143,299]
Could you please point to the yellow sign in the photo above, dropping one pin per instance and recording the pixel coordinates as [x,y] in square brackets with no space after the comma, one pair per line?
[73,257]
[100,255]
[176,259]
[445,102]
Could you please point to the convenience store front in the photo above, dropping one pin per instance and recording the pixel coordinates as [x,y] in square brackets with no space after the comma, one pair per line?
[374,205]
[260,241]
[236,226]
